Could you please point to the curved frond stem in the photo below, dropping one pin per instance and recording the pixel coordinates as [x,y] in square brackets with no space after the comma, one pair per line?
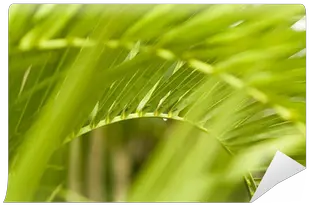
[102,123]
[248,179]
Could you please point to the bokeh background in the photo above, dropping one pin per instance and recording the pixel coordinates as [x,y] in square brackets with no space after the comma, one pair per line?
[152,102]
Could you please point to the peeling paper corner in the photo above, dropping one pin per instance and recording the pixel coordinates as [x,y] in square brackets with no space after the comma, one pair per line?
[281,168]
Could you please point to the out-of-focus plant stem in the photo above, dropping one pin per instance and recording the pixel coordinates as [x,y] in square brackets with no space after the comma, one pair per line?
[95,171]
[74,172]
[122,170]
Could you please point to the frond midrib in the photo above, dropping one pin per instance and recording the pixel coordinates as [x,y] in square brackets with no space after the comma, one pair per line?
[194,63]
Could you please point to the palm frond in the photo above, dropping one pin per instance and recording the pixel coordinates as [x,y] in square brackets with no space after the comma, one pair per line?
[82,67]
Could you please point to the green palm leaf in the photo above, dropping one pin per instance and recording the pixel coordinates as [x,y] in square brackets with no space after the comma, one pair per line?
[81,67]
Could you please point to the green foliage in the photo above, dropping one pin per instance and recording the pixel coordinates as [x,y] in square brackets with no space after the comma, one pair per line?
[233,75]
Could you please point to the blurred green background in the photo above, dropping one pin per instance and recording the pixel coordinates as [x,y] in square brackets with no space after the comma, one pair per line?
[152,103]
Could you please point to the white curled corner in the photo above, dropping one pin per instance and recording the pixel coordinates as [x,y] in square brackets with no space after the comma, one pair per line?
[281,168]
